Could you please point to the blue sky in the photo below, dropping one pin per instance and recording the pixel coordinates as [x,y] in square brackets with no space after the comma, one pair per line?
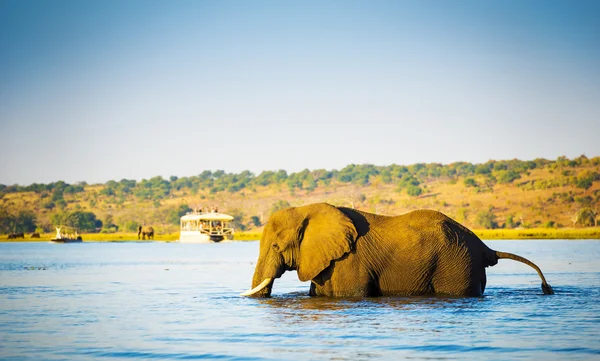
[104,90]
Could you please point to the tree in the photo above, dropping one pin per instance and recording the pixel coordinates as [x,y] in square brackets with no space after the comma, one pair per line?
[73,189]
[310,184]
[174,215]
[386,176]
[108,225]
[487,219]
[408,180]
[84,221]
[6,221]
[25,221]
[57,195]
[255,221]
[238,219]
[484,168]
[280,205]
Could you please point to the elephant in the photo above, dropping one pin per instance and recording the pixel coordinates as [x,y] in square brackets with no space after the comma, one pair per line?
[345,252]
[16,235]
[146,231]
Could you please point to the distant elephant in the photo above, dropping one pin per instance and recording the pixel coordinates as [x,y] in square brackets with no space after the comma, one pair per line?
[146,231]
[16,235]
[345,252]
[35,235]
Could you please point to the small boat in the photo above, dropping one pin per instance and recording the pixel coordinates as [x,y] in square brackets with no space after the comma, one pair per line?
[65,234]
[205,227]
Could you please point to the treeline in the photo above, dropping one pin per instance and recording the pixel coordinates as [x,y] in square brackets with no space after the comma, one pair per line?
[412,180]
[26,221]
[407,178]
[21,222]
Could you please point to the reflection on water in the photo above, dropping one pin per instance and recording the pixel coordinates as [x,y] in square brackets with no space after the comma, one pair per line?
[176,301]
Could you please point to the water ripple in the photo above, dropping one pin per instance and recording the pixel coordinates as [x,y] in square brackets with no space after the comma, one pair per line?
[152,301]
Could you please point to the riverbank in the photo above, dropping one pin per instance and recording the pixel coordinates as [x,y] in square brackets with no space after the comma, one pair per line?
[539,233]
[124,237]
[486,234]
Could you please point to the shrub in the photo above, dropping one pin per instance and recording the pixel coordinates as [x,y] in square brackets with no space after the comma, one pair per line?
[470,182]
[109,230]
[585,179]
[586,217]
[510,222]
[414,191]
[130,226]
[507,176]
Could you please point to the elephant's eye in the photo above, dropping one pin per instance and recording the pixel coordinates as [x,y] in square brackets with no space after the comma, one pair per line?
[275,247]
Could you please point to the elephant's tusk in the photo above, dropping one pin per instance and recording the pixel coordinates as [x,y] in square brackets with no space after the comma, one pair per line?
[258,288]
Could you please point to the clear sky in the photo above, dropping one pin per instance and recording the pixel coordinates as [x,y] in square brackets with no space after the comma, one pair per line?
[104,90]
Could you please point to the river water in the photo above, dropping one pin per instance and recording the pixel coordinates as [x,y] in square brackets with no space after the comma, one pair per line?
[125,301]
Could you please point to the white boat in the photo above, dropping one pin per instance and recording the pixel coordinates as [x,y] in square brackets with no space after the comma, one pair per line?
[65,234]
[196,227]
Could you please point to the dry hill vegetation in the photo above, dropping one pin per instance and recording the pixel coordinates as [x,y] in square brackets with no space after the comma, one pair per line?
[497,194]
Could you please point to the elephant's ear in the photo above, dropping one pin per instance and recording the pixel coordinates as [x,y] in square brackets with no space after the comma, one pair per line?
[328,235]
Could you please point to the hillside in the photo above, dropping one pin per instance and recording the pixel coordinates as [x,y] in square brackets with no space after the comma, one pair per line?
[496,194]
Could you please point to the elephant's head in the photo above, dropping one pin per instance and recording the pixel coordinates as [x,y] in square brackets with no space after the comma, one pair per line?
[305,239]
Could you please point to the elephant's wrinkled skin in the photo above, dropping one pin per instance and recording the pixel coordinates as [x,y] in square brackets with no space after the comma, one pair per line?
[146,231]
[346,252]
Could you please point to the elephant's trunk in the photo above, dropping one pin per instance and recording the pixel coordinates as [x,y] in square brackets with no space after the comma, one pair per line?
[546,288]
[264,276]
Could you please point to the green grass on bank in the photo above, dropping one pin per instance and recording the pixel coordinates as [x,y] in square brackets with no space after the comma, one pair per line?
[539,233]
[487,234]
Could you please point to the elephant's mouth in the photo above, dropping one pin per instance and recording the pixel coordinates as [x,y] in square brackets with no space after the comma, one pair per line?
[267,282]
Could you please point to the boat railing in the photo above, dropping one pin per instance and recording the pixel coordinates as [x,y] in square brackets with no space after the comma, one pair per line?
[209,230]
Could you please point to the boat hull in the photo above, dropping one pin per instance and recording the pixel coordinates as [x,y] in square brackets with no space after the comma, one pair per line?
[66,240]
[197,237]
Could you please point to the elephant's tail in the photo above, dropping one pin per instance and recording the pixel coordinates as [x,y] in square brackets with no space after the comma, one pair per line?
[546,288]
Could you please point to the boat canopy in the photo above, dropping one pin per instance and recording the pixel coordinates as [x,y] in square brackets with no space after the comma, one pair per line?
[207,217]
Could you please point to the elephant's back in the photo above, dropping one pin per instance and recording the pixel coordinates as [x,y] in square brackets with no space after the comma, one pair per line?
[430,221]
[423,218]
